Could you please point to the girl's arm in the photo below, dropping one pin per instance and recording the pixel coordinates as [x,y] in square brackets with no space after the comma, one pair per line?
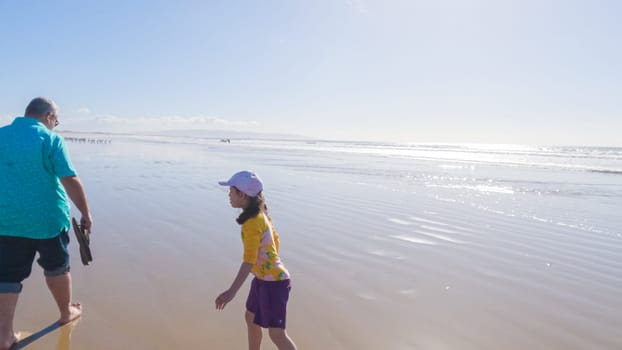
[228,295]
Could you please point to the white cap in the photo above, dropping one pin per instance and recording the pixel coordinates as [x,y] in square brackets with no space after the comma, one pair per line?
[245,181]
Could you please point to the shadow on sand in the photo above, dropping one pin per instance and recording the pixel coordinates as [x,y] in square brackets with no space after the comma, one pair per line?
[64,336]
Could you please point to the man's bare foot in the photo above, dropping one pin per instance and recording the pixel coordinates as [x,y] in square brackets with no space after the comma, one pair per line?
[9,344]
[75,311]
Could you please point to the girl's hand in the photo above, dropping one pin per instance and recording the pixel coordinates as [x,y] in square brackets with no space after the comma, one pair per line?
[224,298]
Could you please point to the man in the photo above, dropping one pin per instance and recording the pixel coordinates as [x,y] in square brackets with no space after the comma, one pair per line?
[36,176]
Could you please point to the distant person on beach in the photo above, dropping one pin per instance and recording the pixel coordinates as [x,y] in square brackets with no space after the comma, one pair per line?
[36,179]
[266,304]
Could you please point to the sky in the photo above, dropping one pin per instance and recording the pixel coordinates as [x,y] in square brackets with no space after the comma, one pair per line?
[450,71]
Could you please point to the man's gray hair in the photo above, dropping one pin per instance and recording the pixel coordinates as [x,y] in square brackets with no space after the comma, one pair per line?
[40,106]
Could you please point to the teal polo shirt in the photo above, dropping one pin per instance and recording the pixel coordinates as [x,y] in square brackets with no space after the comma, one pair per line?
[33,202]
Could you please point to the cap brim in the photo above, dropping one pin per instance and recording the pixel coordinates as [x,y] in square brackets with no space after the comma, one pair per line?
[224,183]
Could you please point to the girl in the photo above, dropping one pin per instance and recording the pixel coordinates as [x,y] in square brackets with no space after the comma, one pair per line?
[267,299]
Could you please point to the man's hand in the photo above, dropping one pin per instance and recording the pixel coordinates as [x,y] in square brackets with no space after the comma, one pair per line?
[86,221]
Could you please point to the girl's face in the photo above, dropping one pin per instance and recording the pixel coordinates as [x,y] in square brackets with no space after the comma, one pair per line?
[237,198]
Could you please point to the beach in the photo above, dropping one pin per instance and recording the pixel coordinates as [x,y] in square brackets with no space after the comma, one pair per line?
[389,246]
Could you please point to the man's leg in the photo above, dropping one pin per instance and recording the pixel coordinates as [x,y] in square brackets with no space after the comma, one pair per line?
[17,256]
[54,258]
[60,287]
[8,302]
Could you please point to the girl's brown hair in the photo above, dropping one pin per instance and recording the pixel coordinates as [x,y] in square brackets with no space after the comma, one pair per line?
[255,205]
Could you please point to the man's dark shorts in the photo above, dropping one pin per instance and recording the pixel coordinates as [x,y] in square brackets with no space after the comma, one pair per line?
[17,255]
[267,300]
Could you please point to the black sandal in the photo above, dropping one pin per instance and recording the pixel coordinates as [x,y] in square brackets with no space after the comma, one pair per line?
[84,241]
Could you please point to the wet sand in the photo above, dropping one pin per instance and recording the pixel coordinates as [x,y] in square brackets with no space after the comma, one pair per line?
[376,262]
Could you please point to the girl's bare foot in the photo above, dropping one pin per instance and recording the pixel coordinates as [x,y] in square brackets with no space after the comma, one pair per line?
[75,310]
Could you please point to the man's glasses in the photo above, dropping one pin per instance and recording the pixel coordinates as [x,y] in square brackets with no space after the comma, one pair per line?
[56,122]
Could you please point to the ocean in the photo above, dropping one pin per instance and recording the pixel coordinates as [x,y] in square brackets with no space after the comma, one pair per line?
[390,246]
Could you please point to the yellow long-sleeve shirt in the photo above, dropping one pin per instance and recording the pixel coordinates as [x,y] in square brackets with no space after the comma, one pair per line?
[261,248]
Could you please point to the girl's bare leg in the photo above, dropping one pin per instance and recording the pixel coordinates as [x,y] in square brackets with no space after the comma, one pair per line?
[254,332]
[281,339]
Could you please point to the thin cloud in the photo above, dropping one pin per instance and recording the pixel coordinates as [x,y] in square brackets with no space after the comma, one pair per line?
[126,124]
[5,119]
[84,110]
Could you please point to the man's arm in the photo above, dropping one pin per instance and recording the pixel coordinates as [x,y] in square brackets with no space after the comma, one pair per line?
[76,193]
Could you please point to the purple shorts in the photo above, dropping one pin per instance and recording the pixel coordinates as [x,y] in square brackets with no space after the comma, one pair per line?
[268,301]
